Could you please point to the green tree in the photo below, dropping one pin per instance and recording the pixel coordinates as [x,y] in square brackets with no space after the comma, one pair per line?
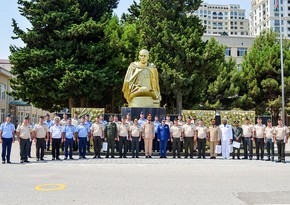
[224,92]
[262,74]
[186,63]
[122,39]
[66,57]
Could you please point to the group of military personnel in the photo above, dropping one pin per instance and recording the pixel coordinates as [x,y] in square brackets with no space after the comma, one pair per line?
[141,134]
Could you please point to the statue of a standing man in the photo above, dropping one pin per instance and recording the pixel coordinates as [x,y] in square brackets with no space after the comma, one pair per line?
[141,84]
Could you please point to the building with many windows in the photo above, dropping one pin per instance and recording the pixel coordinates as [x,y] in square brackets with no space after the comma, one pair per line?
[263,15]
[223,18]
[236,46]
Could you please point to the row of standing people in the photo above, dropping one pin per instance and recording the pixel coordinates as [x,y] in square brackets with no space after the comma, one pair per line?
[69,130]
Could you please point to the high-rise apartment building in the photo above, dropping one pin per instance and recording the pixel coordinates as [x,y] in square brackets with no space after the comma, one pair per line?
[218,19]
[263,15]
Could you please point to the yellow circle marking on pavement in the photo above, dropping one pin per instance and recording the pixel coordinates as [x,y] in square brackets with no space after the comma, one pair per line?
[50,187]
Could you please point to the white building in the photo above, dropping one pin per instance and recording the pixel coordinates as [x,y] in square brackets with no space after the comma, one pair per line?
[223,18]
[236,46]
[264,16]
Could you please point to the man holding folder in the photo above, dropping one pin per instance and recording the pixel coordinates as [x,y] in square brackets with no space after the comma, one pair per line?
[238,133]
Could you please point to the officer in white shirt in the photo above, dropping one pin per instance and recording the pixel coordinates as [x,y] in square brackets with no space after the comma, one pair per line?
[56,138]
[226,133]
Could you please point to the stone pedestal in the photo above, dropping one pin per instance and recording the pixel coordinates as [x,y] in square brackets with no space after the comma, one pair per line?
[144,101]
[135,112]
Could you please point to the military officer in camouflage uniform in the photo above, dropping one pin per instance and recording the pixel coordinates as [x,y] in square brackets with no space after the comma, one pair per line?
[238,133]
[111,134]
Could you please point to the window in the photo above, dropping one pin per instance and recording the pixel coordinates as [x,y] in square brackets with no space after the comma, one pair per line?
[276,23]
[3,91]
[241,51]
[239,67]
[228,52]
[33,120]
[20,117]
[277,29]
[2,115]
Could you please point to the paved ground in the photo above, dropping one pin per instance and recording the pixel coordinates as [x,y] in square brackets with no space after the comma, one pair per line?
[144,181]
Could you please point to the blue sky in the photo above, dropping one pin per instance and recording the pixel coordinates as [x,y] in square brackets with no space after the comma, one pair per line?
[9,10]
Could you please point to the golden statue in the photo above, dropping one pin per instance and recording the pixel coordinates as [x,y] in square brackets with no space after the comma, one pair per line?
[141,84]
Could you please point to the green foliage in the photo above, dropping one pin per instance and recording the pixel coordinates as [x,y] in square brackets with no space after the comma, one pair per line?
[69,53]
[262,74]
[223,93]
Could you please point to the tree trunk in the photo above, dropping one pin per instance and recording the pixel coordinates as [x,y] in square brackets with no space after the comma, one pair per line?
[83,102]
[113,100]
[275,116]
[71,103]
[178,100]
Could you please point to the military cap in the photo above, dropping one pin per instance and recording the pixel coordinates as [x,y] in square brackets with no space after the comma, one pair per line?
[8,115]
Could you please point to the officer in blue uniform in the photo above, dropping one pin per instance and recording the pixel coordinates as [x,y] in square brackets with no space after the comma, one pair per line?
[48,122]
[82,133]
[155,140]
[102,121]
[68,136]
[163,134]
[140,123]
[89,124]
[54,116]
[7,131]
